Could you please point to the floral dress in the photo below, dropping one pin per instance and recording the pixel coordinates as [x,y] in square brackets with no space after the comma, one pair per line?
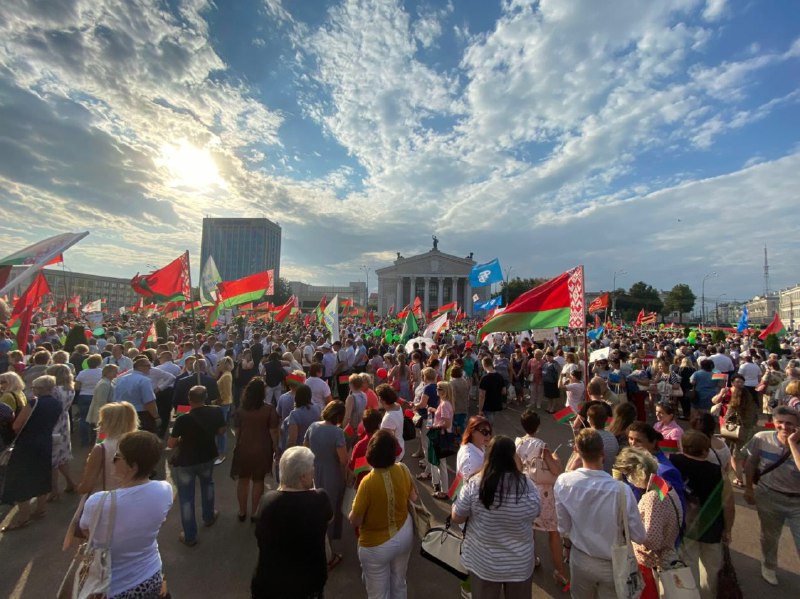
[62,438]
[528,448]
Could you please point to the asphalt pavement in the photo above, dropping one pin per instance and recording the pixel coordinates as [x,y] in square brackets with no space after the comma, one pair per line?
[220,565]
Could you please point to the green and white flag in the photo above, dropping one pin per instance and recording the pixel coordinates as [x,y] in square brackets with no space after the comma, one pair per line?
[331,318]
[410,326]
[209,279]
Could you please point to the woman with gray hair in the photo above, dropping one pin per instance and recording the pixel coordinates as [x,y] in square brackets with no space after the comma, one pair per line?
[298,515]
[662,518]
[29,471]
[64,392]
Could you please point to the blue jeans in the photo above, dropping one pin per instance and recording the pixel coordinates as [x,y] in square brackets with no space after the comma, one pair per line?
[85,429]
[184,479]
[223,437]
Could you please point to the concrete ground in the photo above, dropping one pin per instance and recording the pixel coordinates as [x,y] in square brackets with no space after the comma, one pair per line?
[220,565]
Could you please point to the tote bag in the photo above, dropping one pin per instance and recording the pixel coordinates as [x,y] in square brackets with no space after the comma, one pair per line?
[442,546]
[628,581]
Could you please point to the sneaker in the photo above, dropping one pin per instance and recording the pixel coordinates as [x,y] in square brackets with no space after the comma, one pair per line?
[182,539]
[769,575]
[219,460]
[213,519]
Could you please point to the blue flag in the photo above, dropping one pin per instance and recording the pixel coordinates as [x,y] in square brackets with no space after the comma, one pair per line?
[743,321]
[595,334]
[490,304]
[486,274]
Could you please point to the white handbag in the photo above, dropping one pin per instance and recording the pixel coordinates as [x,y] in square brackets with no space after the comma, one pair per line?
[628,580]
[89,574]
[442,546]
[677,582]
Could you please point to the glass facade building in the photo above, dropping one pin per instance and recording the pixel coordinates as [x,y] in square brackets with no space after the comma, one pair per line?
[241,246]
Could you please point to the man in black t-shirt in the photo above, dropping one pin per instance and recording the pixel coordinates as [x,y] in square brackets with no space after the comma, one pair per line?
[491,391]
[194,436]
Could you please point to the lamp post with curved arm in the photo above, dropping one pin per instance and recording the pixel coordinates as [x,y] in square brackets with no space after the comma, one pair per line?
[614,290]
[703,295]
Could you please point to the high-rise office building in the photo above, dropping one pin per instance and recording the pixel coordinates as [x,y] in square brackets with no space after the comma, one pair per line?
[241,246]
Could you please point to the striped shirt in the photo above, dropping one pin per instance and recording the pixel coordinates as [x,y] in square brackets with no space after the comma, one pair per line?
[498,545]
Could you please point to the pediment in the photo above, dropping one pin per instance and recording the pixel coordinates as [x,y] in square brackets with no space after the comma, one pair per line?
[429,263]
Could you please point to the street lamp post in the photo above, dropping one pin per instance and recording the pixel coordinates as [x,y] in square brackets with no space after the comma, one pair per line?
[365,268]
[716,308]
[614,291]
[505,286]
[703,296]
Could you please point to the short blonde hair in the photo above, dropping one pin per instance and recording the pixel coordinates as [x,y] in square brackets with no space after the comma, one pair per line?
[428,374]
[117,419]
[13,381]
[793,388]
[637,465]
[367,379]
[63,375]
[226,364]
[356,382]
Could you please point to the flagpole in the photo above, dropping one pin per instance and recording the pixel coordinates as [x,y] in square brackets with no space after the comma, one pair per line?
[585,338]
[194,312]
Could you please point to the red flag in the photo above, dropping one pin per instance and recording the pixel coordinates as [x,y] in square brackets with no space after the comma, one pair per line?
[371,317]
[596,321]
[24,307]
[307,320]
[640,317]
[598,304]
[391,310]
[149,337]
[245,290]
[166,284]
[776,327]
[285,310]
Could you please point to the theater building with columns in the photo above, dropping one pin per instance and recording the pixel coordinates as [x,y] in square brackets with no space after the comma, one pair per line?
[435,277]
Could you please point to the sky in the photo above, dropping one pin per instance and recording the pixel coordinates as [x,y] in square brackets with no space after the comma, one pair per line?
[655,138]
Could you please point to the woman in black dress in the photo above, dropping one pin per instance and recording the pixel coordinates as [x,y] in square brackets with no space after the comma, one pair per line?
[29,472]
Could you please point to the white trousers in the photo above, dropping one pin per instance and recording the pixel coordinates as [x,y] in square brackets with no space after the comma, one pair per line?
[590,577]
[383,568]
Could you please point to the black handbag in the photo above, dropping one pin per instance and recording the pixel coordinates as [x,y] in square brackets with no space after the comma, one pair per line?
[409,430]
[446,444]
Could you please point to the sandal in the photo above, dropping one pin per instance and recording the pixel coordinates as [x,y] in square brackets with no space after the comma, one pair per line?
[440,495]
[424,476]
[15,525]
[335,561]
[737,483]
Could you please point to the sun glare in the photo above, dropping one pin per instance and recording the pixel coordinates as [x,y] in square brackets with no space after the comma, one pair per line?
[190,166]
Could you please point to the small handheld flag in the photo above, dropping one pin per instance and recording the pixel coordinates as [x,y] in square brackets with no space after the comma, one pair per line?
[361,466]
[455,488]
[668,446]
[183,409]
[565,415]
[719,376]
[659,485]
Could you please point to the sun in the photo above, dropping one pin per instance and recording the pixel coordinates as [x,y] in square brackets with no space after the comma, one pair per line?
[190,166]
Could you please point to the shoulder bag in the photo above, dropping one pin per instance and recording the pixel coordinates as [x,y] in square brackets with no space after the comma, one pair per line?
[628,580]
[419,514]
[89,574]
[442,545]
[675,581]
[731,428]
[5,455]
[537,470]
[727,581]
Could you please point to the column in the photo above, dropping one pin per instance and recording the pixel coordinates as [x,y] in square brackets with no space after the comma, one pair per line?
[412,292]
[425,299]
[468,298]
[398,298]
[441,291]
[454,293]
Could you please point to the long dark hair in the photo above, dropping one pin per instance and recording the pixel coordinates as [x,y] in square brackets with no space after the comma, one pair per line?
[500,473]
[254,394]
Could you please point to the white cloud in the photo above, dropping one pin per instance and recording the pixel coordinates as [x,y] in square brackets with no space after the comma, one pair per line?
[714,9]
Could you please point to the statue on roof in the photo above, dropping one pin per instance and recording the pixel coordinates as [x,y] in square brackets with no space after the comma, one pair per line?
[435,242]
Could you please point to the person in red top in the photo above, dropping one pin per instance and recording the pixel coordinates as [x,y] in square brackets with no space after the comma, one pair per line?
[371,422]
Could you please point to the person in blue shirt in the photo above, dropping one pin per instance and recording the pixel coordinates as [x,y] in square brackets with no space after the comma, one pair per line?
[137,389]
[705,387]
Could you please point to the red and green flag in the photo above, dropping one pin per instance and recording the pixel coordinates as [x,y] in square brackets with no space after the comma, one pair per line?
[320,309]
[659,485]
[445,308]
[360,466]
[151,337]
[167,284]
[20,321]
[410,327]
[565,415]
[669,446]
[286,310]
[245,290]
[559,302]
[775,327]
[455,488]
[719,376]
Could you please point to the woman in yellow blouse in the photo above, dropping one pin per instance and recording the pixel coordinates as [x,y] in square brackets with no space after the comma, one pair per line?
[225,401]
[380,511]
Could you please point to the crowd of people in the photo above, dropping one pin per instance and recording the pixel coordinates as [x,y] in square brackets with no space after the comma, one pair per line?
[331,426]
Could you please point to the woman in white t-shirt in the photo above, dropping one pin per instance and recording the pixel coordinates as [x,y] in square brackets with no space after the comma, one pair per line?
[469,460]
[393,416]
[85,383]
[140,506]
[575,389]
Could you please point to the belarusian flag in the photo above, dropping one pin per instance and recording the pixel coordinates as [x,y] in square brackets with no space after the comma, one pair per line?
[371,316]
[445,308]
[565,415]
[320,309]
[659,485]
[166,284]
[410,327]
[775,327]
[244,290]
[285,310]
[456,487]
[213,314]
[361,466]
[558,303]
[20,322]
[719,376]
[668,446]
[151,337]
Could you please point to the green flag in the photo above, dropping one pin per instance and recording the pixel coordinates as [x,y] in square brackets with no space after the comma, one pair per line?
[410,327]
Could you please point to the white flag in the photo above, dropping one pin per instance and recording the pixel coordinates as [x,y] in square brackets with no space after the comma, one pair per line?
[209,278]
[475,297]
[331,318]
[35,257]
[95,306]
[435,326]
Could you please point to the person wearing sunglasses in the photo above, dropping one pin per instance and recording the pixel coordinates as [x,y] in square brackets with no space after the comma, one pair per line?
[477,435]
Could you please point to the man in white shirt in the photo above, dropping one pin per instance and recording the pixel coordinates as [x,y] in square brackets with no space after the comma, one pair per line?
[751,372]
[117,357]
[320,391]
[586,506]
[722,363]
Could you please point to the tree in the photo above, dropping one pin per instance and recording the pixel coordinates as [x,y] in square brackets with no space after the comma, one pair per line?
[517,287]
[640,296]
[772,344]
[680,299]
[283,291]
